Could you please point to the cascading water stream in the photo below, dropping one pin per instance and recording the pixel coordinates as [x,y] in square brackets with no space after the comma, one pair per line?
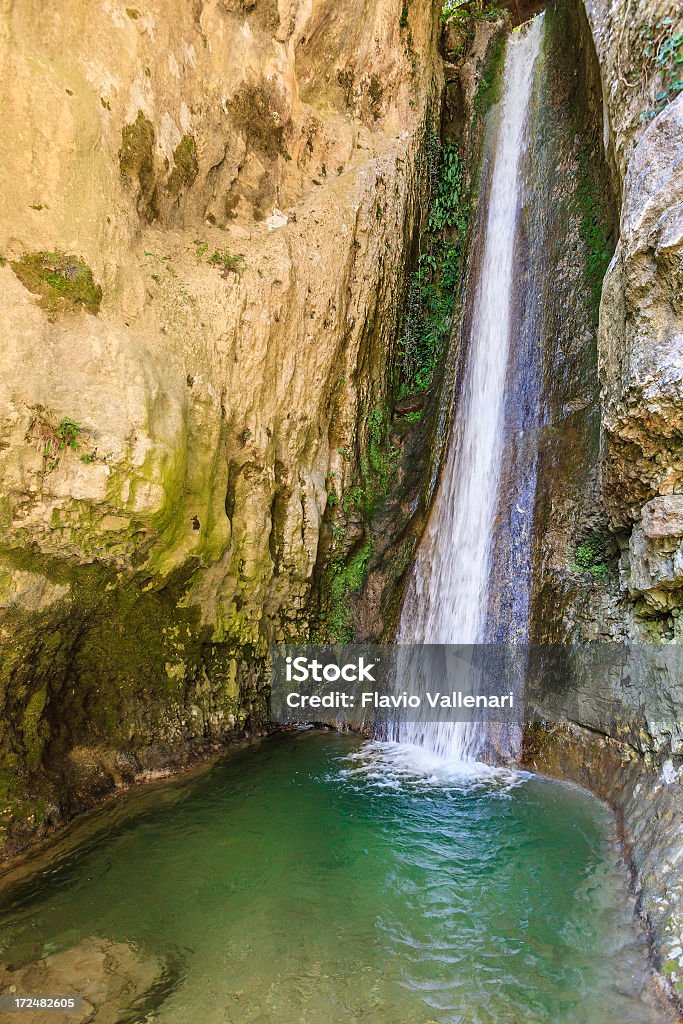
[446,600]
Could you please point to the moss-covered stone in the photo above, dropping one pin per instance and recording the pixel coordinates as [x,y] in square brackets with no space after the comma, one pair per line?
[344,578]
[256,111]
[63,281]
[136,162]
[123,668]
[185,167]
[33,734]
[491,85]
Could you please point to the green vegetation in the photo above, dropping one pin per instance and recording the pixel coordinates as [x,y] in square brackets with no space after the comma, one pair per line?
[406,32]
[433,285]
[63,281]
[228,262]
[378,469]
[55,438]
[460,10]
[343,579]
[347,573]
[662,55]
[431,295]
[67,432]
[591,557]
[33,740]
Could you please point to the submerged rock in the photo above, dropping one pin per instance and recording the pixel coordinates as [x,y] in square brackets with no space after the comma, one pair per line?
[112,977]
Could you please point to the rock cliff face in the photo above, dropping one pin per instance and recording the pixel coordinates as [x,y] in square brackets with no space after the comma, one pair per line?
[641,319]
[205,215]
[608,531]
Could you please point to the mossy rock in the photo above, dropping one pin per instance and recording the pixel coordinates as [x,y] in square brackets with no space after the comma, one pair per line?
[491,86]
[185,168]
[63,281]
[255,111]
[344,578]
[33,738]
[136,161]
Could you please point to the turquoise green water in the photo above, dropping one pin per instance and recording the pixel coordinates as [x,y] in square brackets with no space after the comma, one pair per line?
[311,880]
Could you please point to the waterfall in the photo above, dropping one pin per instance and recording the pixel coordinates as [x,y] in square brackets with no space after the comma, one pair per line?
[446,599]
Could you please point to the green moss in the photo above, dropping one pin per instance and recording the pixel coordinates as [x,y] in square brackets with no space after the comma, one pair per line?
[255,112]
[491,85]
[593,202]
[344,578]
[63,281]
[32,734]
[126,663]
[406,32]
[379,466]
[594,224]
[347,574]
[185,167]
[136,162]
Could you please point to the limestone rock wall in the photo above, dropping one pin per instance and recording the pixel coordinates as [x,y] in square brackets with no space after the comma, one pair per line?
[641,318]
[241,180]
[608,526]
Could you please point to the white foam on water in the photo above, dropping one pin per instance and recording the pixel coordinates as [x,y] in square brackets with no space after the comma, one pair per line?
[394,765]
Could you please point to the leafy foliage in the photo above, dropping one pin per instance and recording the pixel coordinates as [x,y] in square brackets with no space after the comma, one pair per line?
[591,557]
[67,431]
[453,10]
[227,261]
[432,286]
[662,54]
[54,438]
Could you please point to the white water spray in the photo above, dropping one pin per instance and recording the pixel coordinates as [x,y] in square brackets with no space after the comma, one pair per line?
[446,601]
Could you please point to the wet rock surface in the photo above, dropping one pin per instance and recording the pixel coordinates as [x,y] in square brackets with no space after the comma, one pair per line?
[608,512]
[647,801]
